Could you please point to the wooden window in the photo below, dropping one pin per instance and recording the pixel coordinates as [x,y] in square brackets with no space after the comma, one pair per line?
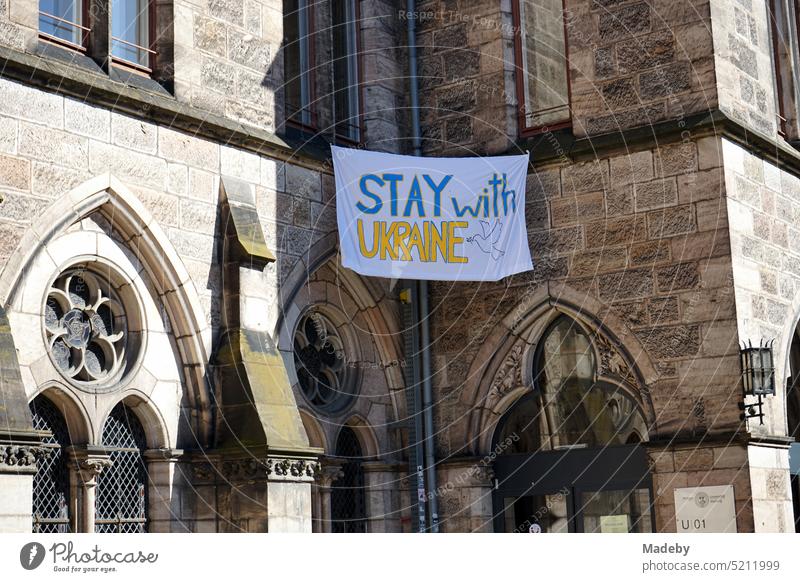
[346,73]
[298,62]
[541,65]
[63,22]
[132,26]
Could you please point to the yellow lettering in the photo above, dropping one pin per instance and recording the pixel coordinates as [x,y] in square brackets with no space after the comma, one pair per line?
[362,245]
[453,240]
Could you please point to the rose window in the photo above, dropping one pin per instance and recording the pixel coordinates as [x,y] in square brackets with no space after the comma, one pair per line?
[86,327]
[320,362]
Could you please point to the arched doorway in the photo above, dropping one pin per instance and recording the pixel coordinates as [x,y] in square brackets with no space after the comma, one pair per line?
[121,505]
[51,482]
[568,453]
[348,503]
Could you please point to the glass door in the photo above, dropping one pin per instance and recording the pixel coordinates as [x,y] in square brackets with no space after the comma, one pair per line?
[547,513]
[614,511]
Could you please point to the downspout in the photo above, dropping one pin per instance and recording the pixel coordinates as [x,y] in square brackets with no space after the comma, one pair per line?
[422,288]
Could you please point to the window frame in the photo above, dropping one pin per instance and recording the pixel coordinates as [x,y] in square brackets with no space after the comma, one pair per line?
[85,30]
[359,90]
[311,72]
[523,128]
[152,57]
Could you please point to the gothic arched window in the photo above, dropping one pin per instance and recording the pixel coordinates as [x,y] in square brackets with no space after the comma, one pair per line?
[570,407]
[121,503]
[51,482]
[348,507]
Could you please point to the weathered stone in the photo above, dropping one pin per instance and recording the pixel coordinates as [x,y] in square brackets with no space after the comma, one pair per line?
[678,158]
[663,310]
[218,75]
[678,277]
[240,164]
[650,252]
[541,184]
[656,194]
[619,231]
[303,183]
[626,285]
[462,64]
[604,65]
[57,147]
[585,176]
[198,216]
[86,120]
[633,313]
[624,22]
[620,120]
[666,81]
[180,147]
[209,35]
[53,180]
[15,173]
[647,52]
[450,37]
[633,167]
[591,263]
[742,56]
[132,133]
[619,94]
[459,129]
[230,10]
[576,208]
[671,221]
[557,240]
[32,104]
[141,169]
[459,97]
[248,50]
[619,201]
[671,342]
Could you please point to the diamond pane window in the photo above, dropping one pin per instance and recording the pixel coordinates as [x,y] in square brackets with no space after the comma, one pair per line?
[348,505]
[121,503]
[51,482]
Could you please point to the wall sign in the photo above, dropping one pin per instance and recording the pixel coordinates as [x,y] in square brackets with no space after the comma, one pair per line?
[450,219]
[614,523]
[705,509]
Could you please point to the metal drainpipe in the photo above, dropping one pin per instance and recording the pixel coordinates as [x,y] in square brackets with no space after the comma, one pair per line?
[422,287]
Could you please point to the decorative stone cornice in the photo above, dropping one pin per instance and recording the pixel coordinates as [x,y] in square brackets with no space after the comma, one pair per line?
[257,469]
[21,457]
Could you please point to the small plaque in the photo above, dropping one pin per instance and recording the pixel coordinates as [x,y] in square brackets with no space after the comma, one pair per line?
[614,523]
[705,509]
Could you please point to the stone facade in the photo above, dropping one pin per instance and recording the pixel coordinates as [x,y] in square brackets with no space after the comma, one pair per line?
[661,219]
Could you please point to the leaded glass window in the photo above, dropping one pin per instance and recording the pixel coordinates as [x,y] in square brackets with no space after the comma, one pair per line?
[348,506]
[570,406]
[121,502]
[51,482]
[321,363]
[86,327]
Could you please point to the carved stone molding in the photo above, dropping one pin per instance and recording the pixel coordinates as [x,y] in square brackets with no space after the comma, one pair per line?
[20,458]
[90,468]
[612,363]
[258,469]
[508,376]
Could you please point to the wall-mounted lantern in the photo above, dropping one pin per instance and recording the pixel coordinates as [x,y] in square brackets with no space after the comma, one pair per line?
[758,377]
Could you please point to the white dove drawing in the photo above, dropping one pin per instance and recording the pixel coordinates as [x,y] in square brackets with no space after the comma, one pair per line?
[489,239]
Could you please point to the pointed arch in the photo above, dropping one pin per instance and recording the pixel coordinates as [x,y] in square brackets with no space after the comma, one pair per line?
[316,436]
[368,297]
[500,372]
[79,423]
[142,235]
[147,413]
[365,434]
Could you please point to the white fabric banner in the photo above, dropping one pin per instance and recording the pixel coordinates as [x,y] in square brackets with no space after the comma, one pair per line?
[448,219]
